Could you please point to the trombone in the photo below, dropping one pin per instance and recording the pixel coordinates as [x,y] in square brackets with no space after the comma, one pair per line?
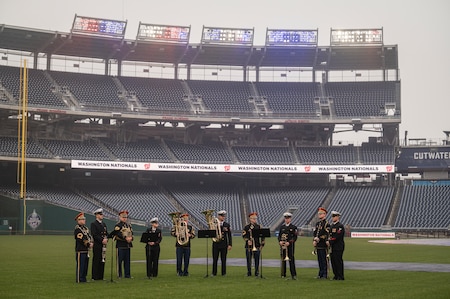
[252,239]
[284,248]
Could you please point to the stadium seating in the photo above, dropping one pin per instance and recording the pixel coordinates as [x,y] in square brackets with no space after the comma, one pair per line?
[39,87]
[60,196]
[196,199]
[377,154]
[139,151]
[363,207]
[272,202]
[424,207]
[9,147]
[289,97]
[223,96]
[76,150]
[157,94]
[209,152]
[327,155]
[263,155]
[143,202]
[91,91]
[361,99]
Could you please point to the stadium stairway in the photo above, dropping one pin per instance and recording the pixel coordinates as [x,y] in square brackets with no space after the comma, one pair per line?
[326,203]
[194,221]
[169,152]
[395,205]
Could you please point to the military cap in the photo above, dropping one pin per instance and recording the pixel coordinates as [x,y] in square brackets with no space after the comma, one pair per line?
[334,213]
[98,211]
[123,213]
[80,216]
[252,214]
[322,209]
[287,215]
[222,213]
[154,220]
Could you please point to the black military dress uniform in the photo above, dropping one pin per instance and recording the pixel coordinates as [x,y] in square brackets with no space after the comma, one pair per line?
[153,235]
[288,233]
[221,247]
[322,232]
[337,246]
[99,233]
[252,251]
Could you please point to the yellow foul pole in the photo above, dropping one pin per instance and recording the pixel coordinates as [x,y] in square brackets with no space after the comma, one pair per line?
[22,140]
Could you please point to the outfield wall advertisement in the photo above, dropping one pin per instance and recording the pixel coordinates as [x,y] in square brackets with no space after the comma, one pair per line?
[235,168]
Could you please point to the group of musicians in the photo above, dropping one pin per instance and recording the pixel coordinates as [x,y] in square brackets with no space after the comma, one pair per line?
[328,242]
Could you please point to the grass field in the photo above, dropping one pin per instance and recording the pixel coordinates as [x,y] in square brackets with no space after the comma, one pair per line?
[44,267]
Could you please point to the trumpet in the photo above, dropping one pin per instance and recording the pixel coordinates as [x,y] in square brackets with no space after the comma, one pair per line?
[180,228]
[284,247]
[213,224]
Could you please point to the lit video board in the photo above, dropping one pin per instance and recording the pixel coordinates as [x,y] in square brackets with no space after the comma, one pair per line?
[151,32]
[227,36]
[356,37]
[278,37]
[95,26]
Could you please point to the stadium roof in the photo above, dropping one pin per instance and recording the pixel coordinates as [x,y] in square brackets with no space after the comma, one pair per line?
[356,57]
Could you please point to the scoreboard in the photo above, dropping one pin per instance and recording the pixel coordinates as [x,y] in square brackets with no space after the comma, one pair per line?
[96,26]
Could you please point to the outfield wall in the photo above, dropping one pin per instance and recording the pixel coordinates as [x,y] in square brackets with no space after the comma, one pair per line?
[41,217]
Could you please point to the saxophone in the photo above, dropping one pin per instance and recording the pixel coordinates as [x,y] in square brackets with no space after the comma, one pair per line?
[213,224]
[180,227]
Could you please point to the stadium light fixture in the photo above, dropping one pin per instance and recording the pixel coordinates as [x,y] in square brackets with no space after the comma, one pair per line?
[99,27]
[283,37]
[227,36]
[163,33]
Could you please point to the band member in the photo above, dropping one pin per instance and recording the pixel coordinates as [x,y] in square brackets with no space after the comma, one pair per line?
[83,242]
[321,235]
[100,235]
[337,245]
[183,248]
[253,243]
[123,233]
[223,244]
[287,237]
[152,237]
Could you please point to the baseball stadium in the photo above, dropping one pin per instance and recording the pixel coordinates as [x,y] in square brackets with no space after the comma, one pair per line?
[165,124]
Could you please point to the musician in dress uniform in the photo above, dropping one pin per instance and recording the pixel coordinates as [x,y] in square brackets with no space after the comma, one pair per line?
[100,234]
[123,234]
[152,237]
[223,244]
[337,245]
[253,243]
[183,251]
[321,236]
[83,242]
[287,236]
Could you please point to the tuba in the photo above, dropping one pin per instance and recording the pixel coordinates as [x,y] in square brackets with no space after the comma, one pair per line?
[127,234]
[180,227]
[213,224]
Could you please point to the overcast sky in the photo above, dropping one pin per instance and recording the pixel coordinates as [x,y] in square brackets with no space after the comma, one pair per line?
[419,28]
